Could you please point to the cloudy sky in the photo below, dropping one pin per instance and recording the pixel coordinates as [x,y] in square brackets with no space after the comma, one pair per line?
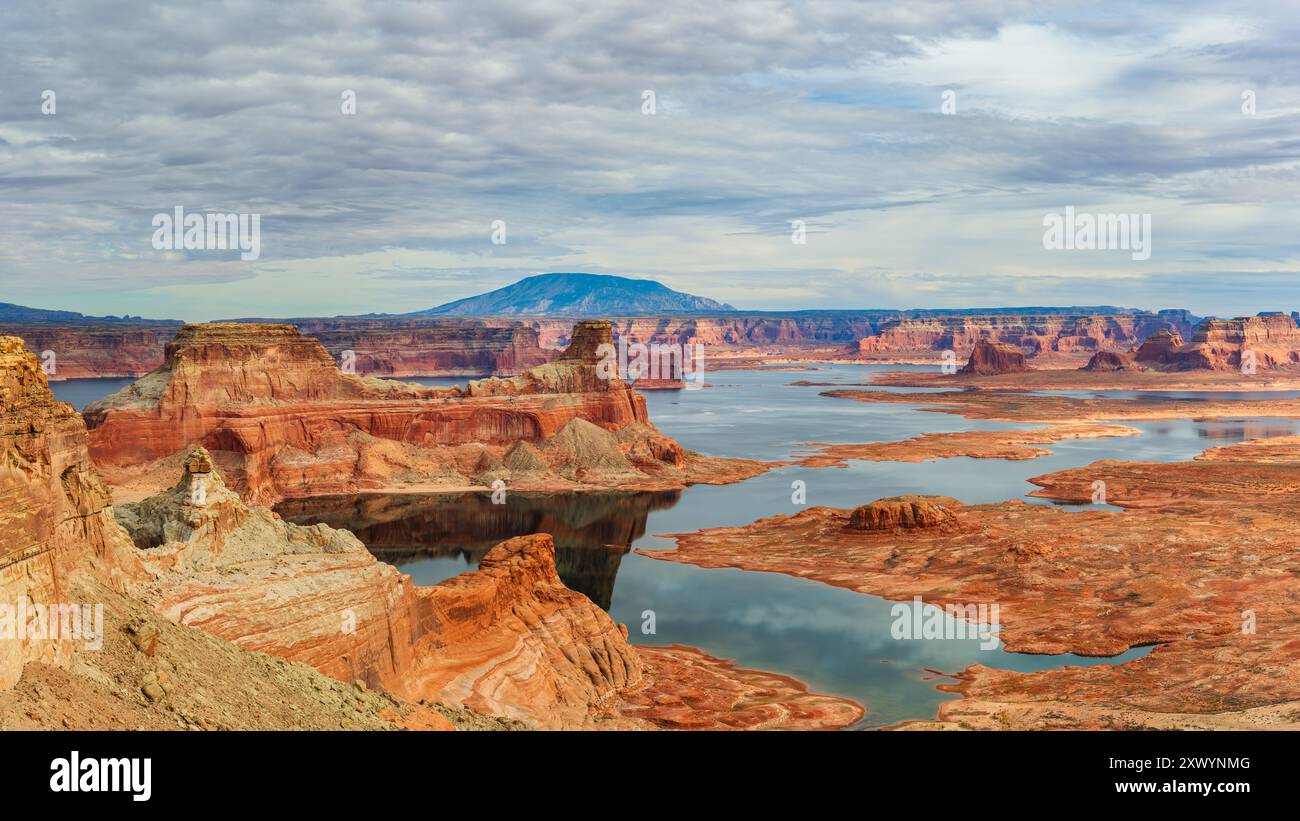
[534,114]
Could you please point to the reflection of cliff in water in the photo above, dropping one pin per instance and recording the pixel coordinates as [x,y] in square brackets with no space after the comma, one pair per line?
[592,531]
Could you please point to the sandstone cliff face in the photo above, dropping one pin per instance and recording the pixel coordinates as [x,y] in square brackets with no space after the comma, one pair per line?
[990,358]
[90,350]
[55,519]
[508,640]
[1273,340]
[282,421]
[411,347]
[1036,335]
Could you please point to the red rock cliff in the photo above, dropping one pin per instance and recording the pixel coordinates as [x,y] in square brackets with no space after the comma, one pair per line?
[283,421]
[55,515]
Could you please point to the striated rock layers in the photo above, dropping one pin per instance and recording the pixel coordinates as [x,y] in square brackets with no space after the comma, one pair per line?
[282,421]
[106,660]
[1037,335]
[508,640]
[83,350]
[56,522]
[1263,342]
[415,347]
[992,358]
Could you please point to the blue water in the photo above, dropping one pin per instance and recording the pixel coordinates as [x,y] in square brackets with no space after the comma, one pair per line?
[81,392]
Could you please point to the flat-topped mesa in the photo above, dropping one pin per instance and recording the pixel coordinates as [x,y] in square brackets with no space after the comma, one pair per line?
[992,358]
[282,421]
[55,519]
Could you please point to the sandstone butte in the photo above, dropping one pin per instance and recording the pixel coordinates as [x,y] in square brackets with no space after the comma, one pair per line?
[282,421]
[994,358]
[313,620]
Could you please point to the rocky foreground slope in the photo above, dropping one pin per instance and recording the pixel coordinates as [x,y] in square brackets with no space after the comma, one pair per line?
[282,421]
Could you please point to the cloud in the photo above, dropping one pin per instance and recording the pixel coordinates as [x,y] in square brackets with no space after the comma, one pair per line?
[467,113]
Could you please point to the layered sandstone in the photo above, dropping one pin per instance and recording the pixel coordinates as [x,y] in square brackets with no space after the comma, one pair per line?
[122,666]
[1266,342]
[282,421]
[1110,361]
[973,444]
[56,523]
[902,512]
[82,350]
[993,358]
[508,640]
[393,347]
[1042,336]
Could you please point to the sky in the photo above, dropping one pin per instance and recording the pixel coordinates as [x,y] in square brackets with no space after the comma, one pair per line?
[921,145]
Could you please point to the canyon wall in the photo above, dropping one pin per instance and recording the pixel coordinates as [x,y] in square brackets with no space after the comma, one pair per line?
[1036,335]
[55,516]
[1270,340]
[411,347]
[283,421]
[90,350]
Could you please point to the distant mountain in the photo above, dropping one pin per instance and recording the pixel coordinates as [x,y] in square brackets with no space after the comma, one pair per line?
[10,312]
[578,295]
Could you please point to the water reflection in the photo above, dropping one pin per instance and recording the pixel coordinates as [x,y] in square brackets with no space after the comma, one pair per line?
[434,537]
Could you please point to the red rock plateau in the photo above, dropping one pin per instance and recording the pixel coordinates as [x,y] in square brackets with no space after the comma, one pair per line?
[425,347]
[508,640]
[1202,564]
[1268,341]
[90,350]
[282,421]
[1055,339]
[993,359]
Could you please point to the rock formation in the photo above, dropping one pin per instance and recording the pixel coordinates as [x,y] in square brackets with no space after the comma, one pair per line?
[508,640]
[282,421]
[108,661]
[1041,336]
[903,512]
[56,523]
[1265,342]
[1110,361]
[393,347]
[992,358]
[1172,570]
